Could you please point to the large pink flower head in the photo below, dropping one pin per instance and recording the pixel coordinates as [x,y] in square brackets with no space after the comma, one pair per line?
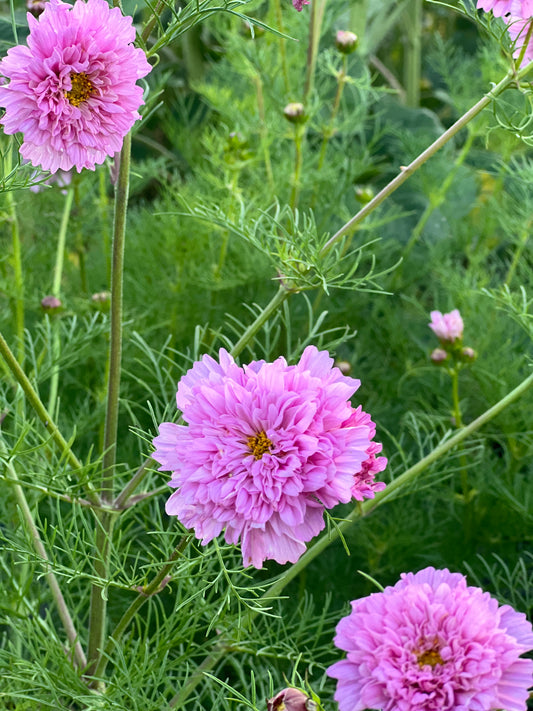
[501,8]
[447,327]
[432,643]
[72,90]
[266,448]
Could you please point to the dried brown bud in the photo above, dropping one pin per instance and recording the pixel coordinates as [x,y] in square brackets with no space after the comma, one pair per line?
[295,112]
[346,42]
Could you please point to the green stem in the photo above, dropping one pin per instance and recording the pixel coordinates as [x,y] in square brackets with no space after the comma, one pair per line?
[145,593]
[316,16]
[406,172]
[43,414]
[263,131]
[518,253]
[17,261]
[105,520]
[413,52]
[436,200]
[298,160]
[282,47]
[223,646]
[276,301]
[454,375]
[56,291]
[328,132]
[64,614]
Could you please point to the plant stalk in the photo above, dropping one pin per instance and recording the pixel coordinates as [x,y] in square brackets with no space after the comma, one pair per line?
[406,172]
[62,608]
[17,261]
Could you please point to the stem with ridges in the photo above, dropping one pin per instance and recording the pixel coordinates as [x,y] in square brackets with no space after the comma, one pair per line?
[105,520]
[326,539]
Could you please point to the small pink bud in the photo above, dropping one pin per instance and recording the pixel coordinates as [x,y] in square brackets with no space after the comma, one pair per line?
[468,355]
[51,303]
[447,327]
[289,700]
[346,42]
[438,356]
[295,112]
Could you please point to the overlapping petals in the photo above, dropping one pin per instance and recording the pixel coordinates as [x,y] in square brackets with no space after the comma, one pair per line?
[266,448]
[72,90]
[432,643]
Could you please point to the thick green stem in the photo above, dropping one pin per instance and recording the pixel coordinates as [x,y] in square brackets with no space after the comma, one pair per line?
[64,614]
[43,414]
[56,291]
[224,645]
[407,171]
[105,521]
[413,52]
[147,591]
[454,375]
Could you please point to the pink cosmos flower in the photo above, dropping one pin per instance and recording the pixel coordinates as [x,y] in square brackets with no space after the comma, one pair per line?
[72,90]
[432,643]
[500,8]
[447,327]
[266,448]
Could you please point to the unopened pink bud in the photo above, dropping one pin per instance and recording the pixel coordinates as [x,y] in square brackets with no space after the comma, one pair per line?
[289,700]
[51,303]
[346,42]
[295,112]
[468,354]
[438,356]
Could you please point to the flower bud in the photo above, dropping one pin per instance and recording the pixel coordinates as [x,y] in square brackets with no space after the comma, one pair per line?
[468,355]
[438,356]
[364,194]
[344,366]
[447,327]
[346,42]
[36,7]
[295,112]
[101,300]
[289,700]
[50,304]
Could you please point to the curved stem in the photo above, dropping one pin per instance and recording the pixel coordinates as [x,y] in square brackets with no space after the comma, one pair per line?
[222,646]
[276,301]
[407,171]
[146,592]
[62,608]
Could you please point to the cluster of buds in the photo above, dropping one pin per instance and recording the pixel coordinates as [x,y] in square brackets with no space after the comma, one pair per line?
[449,330]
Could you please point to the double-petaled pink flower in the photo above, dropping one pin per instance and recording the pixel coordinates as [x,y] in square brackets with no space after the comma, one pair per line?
[500,8]
[432,643]
[265,449]
[72,91]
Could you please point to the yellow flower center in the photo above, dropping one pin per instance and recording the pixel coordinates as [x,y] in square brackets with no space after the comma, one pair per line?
[81,90]
[430,656]
[259,444]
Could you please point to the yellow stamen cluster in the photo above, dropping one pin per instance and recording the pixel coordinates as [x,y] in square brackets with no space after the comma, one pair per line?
[259,444]
[430,656]
[82,88]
